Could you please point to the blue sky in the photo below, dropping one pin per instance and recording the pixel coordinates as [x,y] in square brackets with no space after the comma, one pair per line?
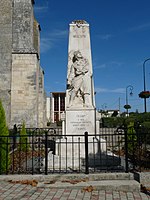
[120,41]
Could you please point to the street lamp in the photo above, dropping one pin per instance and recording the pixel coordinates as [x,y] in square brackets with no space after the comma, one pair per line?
[144,94]
[145,108]
[127,106]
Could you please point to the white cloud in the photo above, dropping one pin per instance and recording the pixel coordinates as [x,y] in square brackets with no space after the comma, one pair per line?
[99,66]
[41,7]
[109,64]
[56,33]
[118,90]
[48,42]
[106,90]
[99,90]
[45,44]
[140,27]
[116,63]
[105,36]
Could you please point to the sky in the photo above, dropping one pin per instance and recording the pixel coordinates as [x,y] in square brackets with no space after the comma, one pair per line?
[120,43]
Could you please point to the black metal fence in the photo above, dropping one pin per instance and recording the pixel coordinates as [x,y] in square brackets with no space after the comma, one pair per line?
[48,151]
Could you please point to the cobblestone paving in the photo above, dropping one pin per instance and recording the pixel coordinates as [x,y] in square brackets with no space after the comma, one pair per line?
[9,191]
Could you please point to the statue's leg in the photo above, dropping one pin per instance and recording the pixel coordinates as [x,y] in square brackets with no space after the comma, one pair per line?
[87,100]
[72,97]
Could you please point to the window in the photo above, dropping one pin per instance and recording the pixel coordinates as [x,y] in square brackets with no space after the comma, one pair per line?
[56,102]
[62,102]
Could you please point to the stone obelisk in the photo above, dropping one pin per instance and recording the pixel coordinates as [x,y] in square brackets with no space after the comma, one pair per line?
[80,115]
[80,100]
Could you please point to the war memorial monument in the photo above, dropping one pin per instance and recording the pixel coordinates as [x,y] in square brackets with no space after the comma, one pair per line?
[80,115]
[80,102]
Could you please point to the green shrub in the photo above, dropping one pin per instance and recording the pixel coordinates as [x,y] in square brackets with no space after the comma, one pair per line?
[59,123]
[112,122]
[4,142]
[23,141]
[132,138]
[48,123]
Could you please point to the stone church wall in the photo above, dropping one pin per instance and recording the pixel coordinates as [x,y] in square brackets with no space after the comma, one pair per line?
[24,100]
[5,54]
[42,104]
[21,77]
[23,20]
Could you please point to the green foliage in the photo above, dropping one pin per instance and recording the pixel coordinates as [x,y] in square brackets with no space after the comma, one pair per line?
[59,123]
[48,123]
[23,141]
[112,122]
[146,124]
[142,118]
[4,142]
[115,113]
[132,138]
[138,127]
[127,106]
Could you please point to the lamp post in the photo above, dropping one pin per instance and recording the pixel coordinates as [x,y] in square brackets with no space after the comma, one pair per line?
[127,106]
[145,107]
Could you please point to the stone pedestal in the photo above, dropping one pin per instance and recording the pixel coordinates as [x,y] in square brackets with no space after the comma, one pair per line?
[70,152]
[80,121]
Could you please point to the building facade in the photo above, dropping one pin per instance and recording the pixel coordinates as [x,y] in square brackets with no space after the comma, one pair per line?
[21,76]
[55,106]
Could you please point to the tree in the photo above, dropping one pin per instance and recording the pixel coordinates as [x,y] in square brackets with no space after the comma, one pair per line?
[4,142]
[115,113]
[23,142]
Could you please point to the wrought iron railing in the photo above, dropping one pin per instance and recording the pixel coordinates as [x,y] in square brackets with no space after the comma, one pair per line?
[48,151]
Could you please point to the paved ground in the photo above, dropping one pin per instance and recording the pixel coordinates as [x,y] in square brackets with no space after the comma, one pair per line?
[13,191]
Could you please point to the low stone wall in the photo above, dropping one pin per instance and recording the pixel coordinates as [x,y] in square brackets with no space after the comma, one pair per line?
[145,178]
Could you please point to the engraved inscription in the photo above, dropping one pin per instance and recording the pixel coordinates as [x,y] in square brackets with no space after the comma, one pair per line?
[79,36]
[80,123]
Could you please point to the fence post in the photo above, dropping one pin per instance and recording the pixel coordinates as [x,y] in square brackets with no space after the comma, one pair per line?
[7,154]
[0,155]
[46,154]
[86,154]
[126,150]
